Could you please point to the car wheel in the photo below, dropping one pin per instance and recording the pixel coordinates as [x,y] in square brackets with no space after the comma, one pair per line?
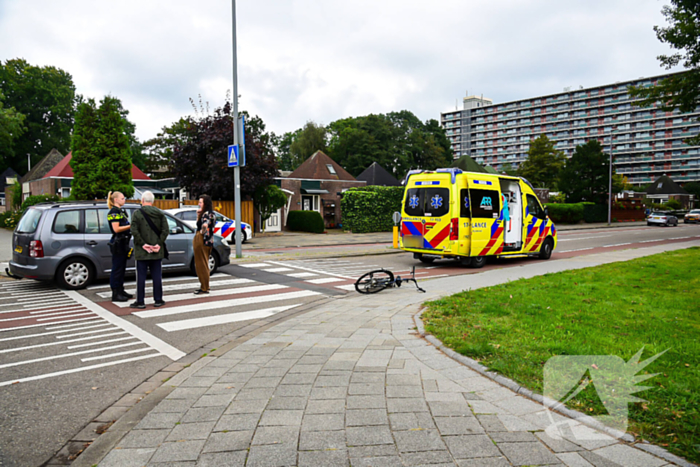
[546,249]
[477,262]
[213,262]
[75,274]
[244,237]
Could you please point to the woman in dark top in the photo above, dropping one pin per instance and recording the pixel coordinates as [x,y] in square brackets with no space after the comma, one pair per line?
[203,242]
[121,234]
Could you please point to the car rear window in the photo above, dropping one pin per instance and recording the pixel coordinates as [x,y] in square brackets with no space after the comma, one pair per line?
[29,221]
[189,215]
[67,222]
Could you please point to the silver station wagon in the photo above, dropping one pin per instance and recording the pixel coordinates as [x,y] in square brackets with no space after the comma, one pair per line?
[67,242]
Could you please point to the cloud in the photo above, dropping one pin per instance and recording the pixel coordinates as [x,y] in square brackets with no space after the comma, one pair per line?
[323,60]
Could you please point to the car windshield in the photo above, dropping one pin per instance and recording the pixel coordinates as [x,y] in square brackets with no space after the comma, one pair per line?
[695,211]
[29,221]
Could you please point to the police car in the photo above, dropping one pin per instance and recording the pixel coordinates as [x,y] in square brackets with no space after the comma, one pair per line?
[225,227]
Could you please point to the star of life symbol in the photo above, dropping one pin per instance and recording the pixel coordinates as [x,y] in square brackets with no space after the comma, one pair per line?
[436,201]
[613,379]
[466,201]
[413,202]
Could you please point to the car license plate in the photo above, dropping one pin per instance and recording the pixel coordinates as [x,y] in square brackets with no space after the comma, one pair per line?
[18,249]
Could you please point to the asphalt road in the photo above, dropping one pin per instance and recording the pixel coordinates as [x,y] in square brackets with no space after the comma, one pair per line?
[75,354]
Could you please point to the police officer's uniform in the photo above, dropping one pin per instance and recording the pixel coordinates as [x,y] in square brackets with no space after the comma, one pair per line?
[120,251]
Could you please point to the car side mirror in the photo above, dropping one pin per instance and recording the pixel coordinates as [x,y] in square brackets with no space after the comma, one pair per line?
[546,211]
[176,230]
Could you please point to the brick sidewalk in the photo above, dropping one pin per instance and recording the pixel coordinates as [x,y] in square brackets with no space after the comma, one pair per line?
[351,382]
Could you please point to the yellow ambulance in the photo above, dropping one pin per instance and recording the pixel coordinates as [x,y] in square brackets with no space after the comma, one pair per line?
[448,213]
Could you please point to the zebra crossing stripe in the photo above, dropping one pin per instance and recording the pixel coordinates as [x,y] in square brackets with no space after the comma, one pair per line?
[224,304]
[324,280]
[223,319]
[212,293]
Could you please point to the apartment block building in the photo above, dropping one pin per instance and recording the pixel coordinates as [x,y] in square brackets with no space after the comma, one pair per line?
[645,142]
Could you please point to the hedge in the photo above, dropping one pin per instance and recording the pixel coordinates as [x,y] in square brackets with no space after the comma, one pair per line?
[305,221]
[573,213]
[370,209]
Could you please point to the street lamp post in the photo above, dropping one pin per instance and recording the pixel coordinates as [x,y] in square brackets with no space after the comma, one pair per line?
[237,169]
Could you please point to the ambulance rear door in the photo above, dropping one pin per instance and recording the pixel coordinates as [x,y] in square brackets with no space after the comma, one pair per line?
[486,221]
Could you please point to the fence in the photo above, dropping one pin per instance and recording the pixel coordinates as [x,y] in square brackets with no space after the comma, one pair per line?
[228,209]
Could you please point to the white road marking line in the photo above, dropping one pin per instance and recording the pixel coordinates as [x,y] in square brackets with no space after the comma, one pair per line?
[312,270]
[167,288]
[52,313]
[51,328]
[65,355]
[678,238]
[43,295]
[51,344]
[616,244]
[65,302]
[212,293]
[278,269]
[57,308]
[222,319]
[117,354]
[650,241]
[50,333]
[61,317]
[346,287]
[303,274]
[324,280]
[18,318]
[114,328]
[149,339]
[102,342]
[167,279]
[77,370]
[54,302]
[579,249]
[44,324]
[256,265]
[225,304]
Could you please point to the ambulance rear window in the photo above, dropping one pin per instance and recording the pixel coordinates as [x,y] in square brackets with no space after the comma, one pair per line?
[427,202]
[485,203]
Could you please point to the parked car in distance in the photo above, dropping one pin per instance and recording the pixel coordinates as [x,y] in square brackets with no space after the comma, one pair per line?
[67,242]
[692,216]
[662,218]
[225,227]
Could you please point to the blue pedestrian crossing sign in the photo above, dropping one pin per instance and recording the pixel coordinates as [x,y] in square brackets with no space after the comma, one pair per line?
[233,159]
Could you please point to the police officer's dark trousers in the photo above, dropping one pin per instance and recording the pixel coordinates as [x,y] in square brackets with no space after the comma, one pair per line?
[116,277]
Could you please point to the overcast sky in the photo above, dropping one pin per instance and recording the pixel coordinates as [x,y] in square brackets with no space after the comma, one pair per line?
[323,60]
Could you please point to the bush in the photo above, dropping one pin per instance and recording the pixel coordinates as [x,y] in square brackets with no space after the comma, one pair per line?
[571,213]
[36,199]
[370,209]
[305,221]
[595,212]
[673,204]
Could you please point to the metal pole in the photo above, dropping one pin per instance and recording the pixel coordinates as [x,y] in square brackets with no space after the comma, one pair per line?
[610,180]
[236,170]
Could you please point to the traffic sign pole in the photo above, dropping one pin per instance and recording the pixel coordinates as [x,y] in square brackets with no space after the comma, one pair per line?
[236,169]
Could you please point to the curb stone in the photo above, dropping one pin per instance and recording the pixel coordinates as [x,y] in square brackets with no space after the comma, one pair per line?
[547,402]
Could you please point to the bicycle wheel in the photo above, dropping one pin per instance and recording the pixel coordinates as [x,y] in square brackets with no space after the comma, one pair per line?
[374,281]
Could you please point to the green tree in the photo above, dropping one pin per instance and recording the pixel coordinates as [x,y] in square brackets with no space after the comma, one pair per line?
[585,175]
[199,163]
[158,151]
[11,127]
[306,142]
[268,199]
[694,189]
[679,91]
[508,169]
[397,141]
[101,150]
[543,164]
[46,96]
[281,145]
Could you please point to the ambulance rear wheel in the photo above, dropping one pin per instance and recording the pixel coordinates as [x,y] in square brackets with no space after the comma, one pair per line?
[477,262]
[546,250]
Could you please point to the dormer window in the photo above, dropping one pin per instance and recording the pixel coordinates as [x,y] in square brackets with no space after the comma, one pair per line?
[331,169]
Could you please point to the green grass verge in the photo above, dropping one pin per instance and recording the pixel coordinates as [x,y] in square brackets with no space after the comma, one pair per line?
[615,309]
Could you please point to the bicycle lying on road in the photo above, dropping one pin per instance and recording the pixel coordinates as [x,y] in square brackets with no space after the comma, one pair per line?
[376,281]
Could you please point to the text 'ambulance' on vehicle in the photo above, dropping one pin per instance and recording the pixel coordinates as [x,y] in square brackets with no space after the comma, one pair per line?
[448,213]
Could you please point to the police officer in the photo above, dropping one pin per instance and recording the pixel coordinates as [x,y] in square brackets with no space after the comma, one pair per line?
[121,235]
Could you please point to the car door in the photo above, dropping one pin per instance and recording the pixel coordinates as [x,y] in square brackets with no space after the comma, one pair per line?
[179,243]
[97,235]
